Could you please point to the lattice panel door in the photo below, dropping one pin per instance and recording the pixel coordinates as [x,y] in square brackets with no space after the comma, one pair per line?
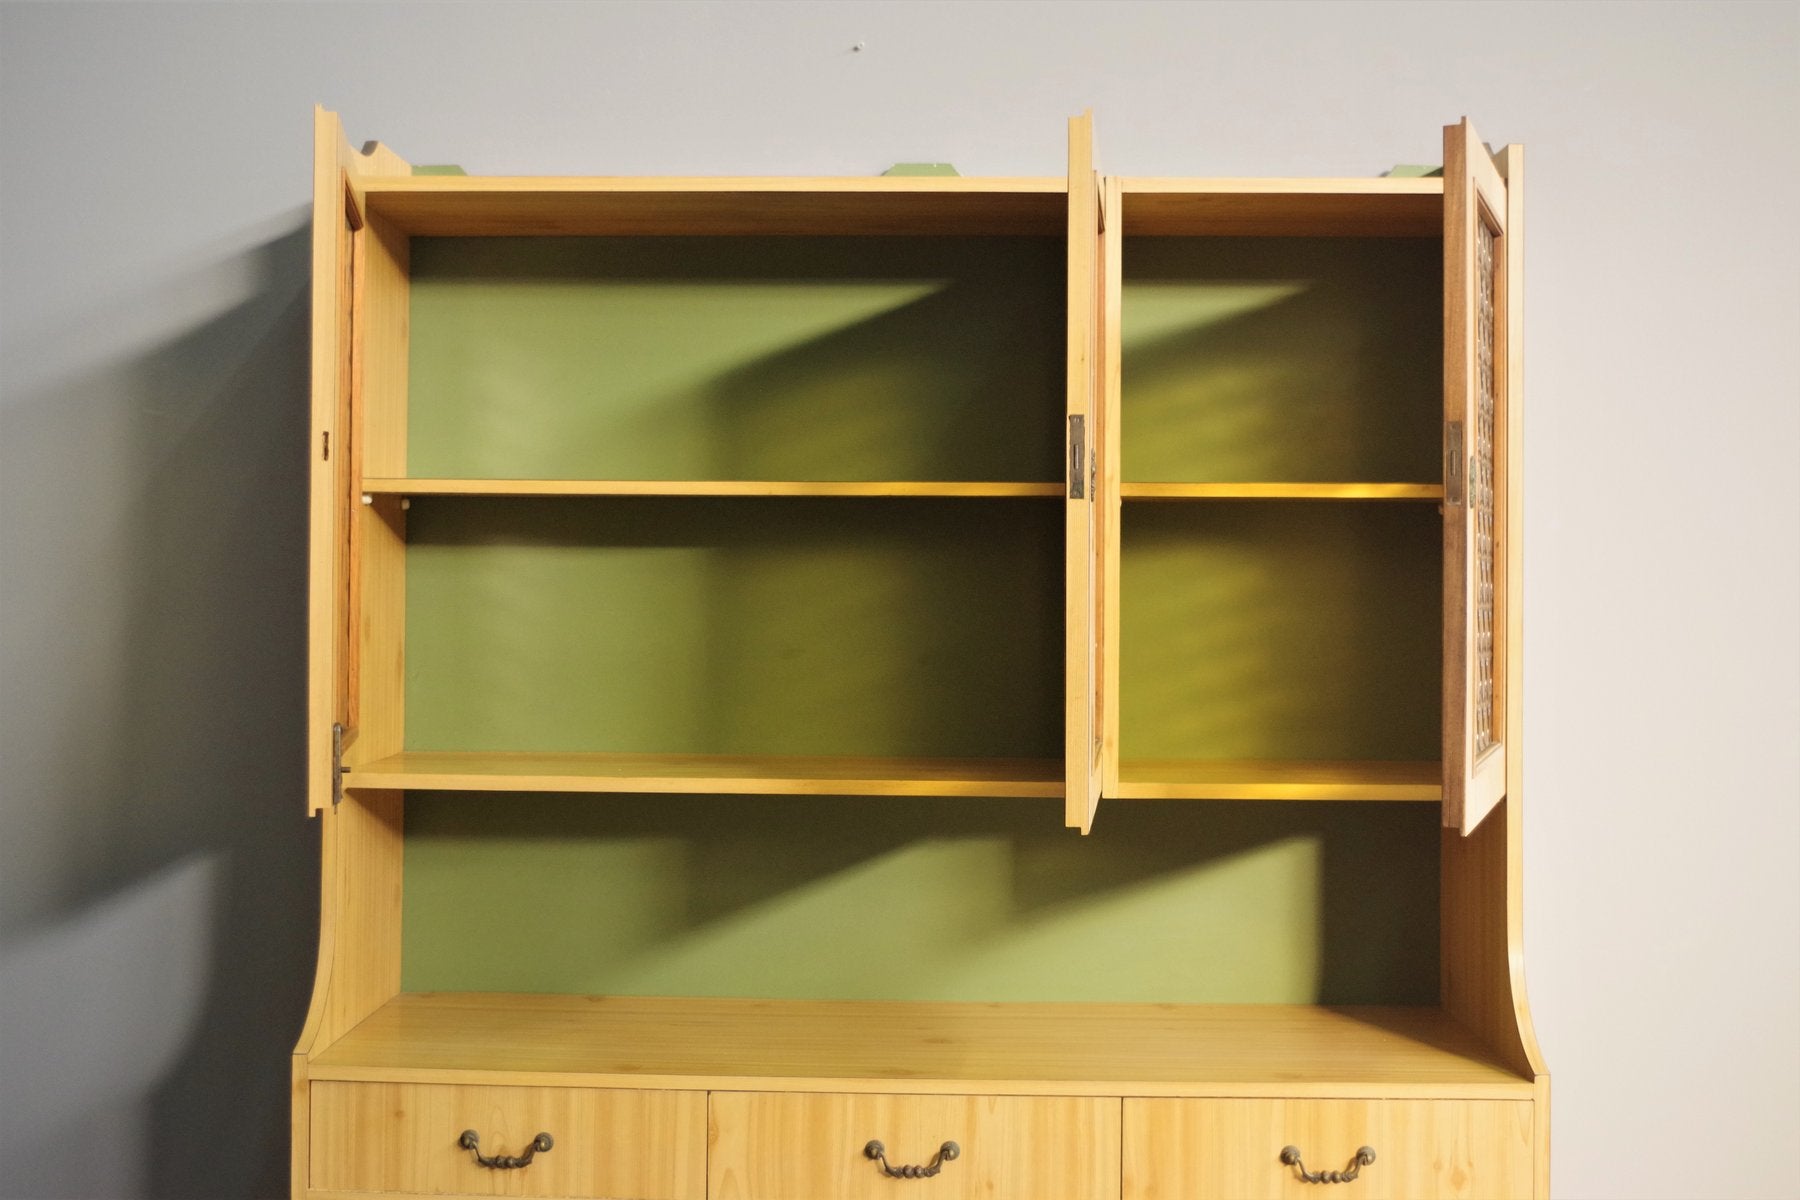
[1475,500]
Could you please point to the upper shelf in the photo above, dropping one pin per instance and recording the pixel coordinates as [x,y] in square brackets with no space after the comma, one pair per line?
[1404,207]
[1281,491]
[703,487]
[497,205]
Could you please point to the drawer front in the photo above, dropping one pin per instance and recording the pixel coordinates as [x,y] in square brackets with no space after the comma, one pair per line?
[799,1146]
[401,1137]
[1232,1149]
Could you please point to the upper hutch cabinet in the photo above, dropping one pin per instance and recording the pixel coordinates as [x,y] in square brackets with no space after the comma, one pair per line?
[719,585]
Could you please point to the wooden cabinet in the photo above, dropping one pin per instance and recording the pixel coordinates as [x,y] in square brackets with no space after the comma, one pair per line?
[719,586]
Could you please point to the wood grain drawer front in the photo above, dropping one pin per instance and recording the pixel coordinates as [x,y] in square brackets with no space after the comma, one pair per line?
[799,1146]
[615,1144]
[1231,1149]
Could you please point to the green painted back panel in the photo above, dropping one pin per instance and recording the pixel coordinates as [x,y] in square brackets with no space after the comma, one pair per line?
[913,627]
[1280,629]
[730,626]
[823,897]
[1282,359]
[737,358]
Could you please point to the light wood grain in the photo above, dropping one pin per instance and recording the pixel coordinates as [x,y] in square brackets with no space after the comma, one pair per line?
[1282,207]
[1481,917]
[1474,192]
[935,1048]
[1282,491]
[707,487]
[396,1137]
[1112,488]
[330,301]
[707,773]
[875,205]
[299,1125]
[338,230]
[364,851]
[1080,757]
[1424,1150]
[385,320]
[1263,779]
[795,1146]
[380,676]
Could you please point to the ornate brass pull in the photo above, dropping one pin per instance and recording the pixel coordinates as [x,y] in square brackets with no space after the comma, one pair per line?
[471,1141]
[1290,1157]
[948,1152]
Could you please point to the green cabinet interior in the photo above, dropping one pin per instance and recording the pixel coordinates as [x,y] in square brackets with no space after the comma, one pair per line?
[1280,359]
[737,358]
[913,626]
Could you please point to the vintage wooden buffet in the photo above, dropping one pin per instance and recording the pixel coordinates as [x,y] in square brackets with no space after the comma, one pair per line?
[717,586]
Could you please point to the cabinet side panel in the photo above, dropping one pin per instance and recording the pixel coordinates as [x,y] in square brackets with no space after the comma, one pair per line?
[363,910]
[1483,905]
[384,337]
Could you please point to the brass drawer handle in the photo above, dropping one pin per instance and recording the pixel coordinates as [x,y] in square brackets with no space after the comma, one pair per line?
[1290,1157]
[471,1141]
[947,1152]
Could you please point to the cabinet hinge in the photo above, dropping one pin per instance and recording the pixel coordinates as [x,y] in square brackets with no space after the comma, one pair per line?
[1453,463]
[337,765]
[1078,457]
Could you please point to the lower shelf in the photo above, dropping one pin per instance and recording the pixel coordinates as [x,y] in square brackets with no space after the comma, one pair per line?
[1239,779]
[1013,1049]
[707,773]
[1139,779]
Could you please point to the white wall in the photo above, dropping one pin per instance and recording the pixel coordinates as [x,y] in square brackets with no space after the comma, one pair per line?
[157,887]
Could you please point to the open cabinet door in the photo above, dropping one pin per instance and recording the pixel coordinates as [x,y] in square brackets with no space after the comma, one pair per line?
[336,220]
[1476,428]
[335,528]
[1081,599]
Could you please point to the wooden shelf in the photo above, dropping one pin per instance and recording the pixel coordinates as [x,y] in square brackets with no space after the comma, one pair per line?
[1402,207]
[1256,779]
[702,487]
[1281,491]
[875,1046]
[490,205]
[703,773]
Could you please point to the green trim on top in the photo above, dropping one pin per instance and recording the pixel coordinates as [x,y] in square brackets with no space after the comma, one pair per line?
[921,168]
[438,169]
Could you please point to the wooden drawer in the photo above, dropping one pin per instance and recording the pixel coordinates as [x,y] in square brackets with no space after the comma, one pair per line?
[401,1137]
[1231,1149]
[798,1146]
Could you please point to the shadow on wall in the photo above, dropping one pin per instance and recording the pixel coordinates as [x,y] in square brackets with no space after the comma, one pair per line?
[157,874]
